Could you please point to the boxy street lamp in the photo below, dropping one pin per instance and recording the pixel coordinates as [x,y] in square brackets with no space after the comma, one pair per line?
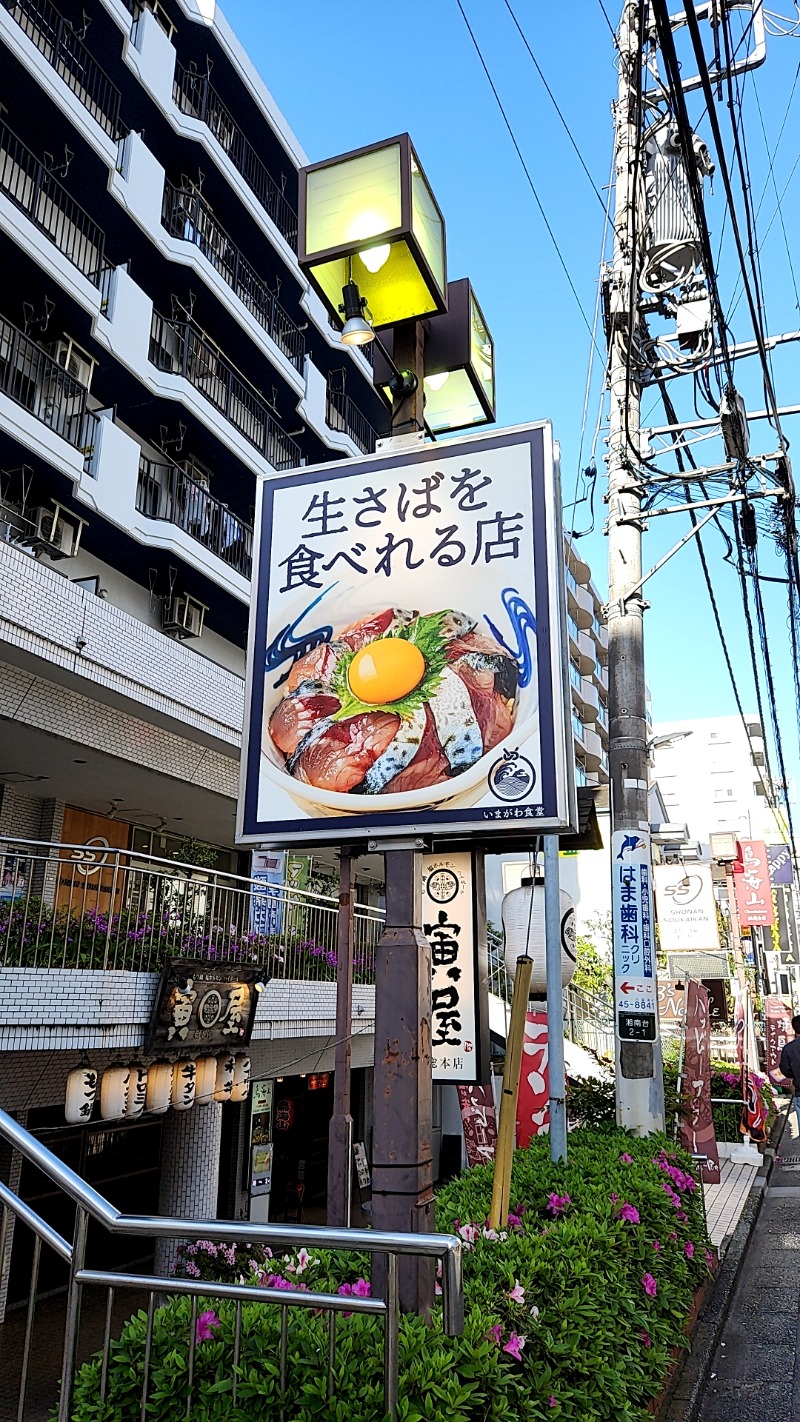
[372,243]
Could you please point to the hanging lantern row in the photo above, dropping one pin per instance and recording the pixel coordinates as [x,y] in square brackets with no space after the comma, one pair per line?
[125,1092]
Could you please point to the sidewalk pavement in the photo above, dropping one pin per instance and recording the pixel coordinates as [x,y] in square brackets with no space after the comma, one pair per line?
[755,1373]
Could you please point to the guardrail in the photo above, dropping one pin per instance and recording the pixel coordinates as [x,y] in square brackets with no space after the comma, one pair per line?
[195,95]
[91,1205]
[63,48]
[178,347]
[31,378]
[26,181]
[166,492]
[93,907]
[343,414]
[187,215]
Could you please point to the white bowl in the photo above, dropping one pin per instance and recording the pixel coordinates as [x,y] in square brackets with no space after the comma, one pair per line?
[464,789]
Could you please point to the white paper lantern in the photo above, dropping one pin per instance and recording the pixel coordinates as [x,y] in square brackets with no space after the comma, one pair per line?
[159,1088]
[225,1069]
[205,1082]
[241,1079]
[184,1075]
[80,1095]
[137,1091]
[114,1093]
[523,930]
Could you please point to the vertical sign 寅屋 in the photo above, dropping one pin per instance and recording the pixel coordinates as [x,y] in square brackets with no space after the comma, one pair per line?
[447,922]
[635,986]
[697,1118]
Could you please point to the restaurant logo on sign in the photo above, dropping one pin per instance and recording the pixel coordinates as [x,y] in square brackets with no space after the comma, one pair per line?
[405,657]
[687,910]
[202,1004]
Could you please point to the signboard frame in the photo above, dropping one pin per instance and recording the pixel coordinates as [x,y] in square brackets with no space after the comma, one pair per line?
[529,451]
[635,977]
[686,907]
[178,987]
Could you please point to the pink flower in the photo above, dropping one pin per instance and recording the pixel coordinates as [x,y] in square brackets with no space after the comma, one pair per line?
[626,1159]
[657,1245]
[649,1285]
[688,1249]
[709,1259]
[629,1214]
[437,1288]
[557,1204]
[553,1402]
[672,1237]
[517,1293]
[534,1313]
[496,1333]
[514,1220]
[205,1325]
[613,1198]
[362,1289]
[469,1233]
[192,1270]
[646,1339]
[515,1345]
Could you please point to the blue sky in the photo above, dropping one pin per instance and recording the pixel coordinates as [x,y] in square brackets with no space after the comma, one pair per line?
[345,75]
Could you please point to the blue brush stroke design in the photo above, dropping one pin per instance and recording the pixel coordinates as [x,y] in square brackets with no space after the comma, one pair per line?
[522,622]
[286,647]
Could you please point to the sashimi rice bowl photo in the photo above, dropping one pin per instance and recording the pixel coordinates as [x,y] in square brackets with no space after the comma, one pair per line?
[399,709]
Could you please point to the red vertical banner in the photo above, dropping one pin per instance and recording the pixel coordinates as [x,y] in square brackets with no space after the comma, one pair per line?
[778,1031]
[479,1122]
[533,1105]
[753,887]
[697,1120]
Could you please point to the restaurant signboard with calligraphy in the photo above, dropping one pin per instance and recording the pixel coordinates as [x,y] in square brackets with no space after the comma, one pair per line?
[203,1004]
[406,667]
[447,922]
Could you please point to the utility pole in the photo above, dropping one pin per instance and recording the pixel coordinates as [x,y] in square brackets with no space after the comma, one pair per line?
[639,1075]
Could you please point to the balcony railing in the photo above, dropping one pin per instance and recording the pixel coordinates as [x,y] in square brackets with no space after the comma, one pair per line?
[166,492]
[28,184]
[195,94]
[31,378]
[178,347]
[79,906]
[62,47]
[187,215]
[343,414]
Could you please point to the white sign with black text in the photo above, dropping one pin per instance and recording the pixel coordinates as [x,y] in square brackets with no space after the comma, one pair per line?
[687,910]
[447,922]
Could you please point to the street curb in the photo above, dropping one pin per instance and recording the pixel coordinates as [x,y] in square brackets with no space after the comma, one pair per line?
[691,1376]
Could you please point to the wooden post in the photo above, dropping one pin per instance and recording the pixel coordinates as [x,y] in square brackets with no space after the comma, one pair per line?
[506,1131]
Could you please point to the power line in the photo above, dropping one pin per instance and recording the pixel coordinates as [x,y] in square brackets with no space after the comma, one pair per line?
[527,173]
[554,102]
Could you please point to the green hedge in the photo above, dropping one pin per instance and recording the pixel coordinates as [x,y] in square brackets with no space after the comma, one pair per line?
[570,1315]
[593,1102]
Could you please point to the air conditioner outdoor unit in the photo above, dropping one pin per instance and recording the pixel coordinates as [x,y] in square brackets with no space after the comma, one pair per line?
[76,361]
[57,532]
[183,616]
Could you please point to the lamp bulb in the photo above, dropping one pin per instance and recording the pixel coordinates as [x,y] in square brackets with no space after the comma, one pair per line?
[435,382]
[376,257]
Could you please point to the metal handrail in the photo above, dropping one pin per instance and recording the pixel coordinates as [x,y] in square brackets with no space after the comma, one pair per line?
[194,94]
[90,1204]
[56,39]
[180,348]
[187,215]
[168,493]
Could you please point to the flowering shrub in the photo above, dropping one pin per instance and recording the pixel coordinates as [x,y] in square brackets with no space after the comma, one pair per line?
[571,1311]
[33,934]
[593,1102]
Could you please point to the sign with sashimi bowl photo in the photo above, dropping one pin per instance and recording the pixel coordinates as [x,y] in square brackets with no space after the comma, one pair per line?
[406,665]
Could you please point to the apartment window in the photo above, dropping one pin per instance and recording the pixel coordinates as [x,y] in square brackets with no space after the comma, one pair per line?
[722,792]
